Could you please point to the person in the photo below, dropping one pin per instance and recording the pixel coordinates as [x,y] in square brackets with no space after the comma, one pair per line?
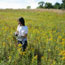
[21,33]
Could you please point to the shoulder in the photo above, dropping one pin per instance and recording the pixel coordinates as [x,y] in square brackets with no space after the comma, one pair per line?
[25,27]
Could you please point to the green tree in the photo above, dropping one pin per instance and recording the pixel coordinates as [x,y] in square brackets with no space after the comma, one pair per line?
[48,5]
[63,4]
[40,4]
[63,1]
[28,7]
[57,5]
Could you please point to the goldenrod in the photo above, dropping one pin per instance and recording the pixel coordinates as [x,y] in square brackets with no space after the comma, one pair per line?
[19,45]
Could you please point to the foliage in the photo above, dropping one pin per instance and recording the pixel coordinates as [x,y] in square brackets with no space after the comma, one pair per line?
[57,5]
[48,5]
[28,7]
[41,4]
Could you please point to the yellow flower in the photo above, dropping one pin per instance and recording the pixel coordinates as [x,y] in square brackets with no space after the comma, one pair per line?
[63,58]
[35,57]
[62,52]
[11,33]
[9,58]
[42,57]
[19,45]
[22,53]
[32,49]
[4,44]
[62,43]
[49,50]
[59,37]
[19,49]
[54,62]
[51,39]
[63,39]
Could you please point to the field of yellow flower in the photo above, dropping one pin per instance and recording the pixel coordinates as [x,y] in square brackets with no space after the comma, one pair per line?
[46,38]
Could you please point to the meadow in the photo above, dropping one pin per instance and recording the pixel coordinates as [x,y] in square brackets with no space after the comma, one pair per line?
[46,37]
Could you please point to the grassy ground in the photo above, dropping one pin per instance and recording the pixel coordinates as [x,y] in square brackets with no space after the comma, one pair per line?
[46,37]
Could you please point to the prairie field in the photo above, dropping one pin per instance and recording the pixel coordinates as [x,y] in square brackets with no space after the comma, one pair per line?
[46,37]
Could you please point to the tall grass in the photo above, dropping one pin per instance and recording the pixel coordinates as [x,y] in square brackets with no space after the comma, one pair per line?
[46,38]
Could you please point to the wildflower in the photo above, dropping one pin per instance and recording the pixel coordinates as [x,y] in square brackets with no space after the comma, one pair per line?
[22,53]
[54,62]
[49,50]
[10,58]
[4,44]
[59,37]
[62,52]
[42,57]
[63,58]
[19,49]
[62,43]
[19,45]
[32,49]
[51,39]
[63,39]
[34,58]
[11,33]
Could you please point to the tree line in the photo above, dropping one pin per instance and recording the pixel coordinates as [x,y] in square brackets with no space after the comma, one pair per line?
[49,5]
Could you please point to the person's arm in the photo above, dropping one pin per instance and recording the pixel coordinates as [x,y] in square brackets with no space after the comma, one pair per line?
[16,33]
[26,32]
[25,36]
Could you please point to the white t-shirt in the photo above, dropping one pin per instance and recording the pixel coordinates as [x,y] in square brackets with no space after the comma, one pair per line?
[22,31]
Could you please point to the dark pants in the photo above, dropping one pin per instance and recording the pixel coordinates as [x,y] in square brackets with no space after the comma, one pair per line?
[23,45]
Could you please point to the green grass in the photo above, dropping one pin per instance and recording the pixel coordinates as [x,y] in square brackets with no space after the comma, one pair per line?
[46,37]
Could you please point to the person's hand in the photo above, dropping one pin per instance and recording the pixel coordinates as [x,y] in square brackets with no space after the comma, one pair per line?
[16,33]
[19,35]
